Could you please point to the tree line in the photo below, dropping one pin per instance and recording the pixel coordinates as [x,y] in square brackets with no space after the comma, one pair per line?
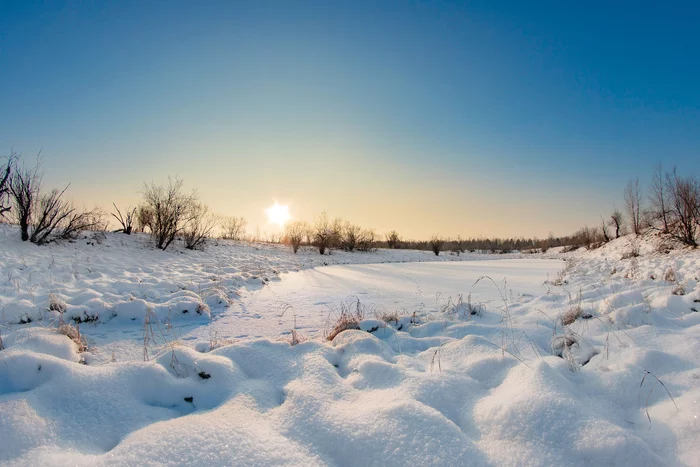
[169,213]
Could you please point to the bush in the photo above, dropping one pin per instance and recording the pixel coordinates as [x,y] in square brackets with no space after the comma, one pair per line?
[295,233]
[324,233]
[170,208]
[436,244]
[392,239]
[144,219]
[349,234]
[57,218]
[233,228]
[45,217]
[684,210]
[24,184]
[5,172]
[366,241]
[126,220]
[199,226]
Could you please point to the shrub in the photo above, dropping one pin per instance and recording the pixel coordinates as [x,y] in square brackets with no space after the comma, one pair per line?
[392,239]
[436,244]
[632,251]
[366,241]
[295,233]
[24,184]
[199,226]
[233,228]
[126,220]
[43,217]
[324,233]
[171,210]
[144,218]
[5,172]
[349,234]
[57,218]
[684,209]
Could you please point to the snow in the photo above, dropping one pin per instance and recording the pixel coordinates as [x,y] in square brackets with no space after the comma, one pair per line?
[447,366]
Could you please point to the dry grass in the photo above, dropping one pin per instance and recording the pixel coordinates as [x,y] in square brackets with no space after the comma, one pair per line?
[349,317]
[56,304]
[679,289]
[388,316]
[574,312]
[670,275]
[658,382]
[73,333]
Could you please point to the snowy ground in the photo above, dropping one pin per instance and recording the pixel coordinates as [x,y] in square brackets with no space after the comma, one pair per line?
[595,365]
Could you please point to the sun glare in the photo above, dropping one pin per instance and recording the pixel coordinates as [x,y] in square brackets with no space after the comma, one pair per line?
[278,214]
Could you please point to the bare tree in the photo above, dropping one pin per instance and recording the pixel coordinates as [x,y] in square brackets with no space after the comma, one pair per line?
[199,226]
[337,227]
[349,236]
[56,218]
[392,239]
[658,197]
[233,228]
[616,220]
[366,241]
[585,236]
[323,233]
[684,207]
[604,230]
[633,205]
[171,210]
[436,244]
[5,171]
[126,220]
[24,186]
[144,219]
[295,233]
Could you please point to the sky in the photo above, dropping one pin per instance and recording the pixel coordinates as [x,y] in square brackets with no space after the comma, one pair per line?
[473,118]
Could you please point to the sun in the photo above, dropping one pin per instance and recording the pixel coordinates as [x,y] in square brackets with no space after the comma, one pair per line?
[278,214]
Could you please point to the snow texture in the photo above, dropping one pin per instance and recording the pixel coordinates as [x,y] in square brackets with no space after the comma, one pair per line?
[431,377]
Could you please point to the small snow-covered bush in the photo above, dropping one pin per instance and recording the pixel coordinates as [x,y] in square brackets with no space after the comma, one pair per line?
[73,333]
[632,250]
[670,275]
[56,304]
[679,289]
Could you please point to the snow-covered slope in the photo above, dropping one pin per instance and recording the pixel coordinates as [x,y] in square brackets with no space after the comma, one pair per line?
[102,277]
[599,366]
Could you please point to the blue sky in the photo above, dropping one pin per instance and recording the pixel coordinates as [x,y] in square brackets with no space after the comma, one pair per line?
[479,118]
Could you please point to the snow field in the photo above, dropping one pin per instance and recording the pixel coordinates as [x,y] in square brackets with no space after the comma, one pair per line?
[599,369]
